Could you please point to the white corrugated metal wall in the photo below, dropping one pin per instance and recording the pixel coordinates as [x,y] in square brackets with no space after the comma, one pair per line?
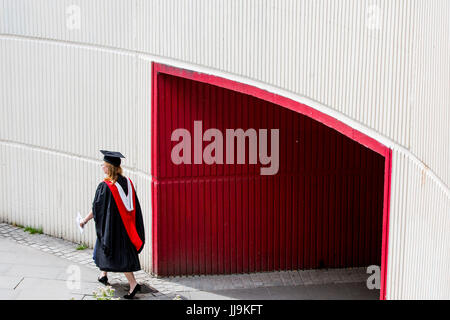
[381,66]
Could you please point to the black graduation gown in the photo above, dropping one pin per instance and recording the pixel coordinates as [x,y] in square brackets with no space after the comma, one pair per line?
[114,250]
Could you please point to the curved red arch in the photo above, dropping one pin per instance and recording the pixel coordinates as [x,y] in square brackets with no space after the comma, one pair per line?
[319,116]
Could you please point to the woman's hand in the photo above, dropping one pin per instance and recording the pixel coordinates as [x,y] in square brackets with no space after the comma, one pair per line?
[86,219]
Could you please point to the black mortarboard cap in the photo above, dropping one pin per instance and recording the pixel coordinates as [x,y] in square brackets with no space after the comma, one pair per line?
[112,157]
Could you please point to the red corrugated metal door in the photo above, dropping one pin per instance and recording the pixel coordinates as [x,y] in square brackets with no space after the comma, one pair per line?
[324,207]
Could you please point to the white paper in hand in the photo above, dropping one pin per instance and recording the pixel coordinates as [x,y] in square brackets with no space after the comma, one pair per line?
[79,219]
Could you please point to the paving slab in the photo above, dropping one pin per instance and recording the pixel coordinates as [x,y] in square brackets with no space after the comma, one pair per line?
[8,294]
[44,272]
[203,295]
[244,294]
[289,293]
[4,267]
[9,282]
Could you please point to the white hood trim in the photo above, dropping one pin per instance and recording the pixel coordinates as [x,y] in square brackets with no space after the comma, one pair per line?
[127,200]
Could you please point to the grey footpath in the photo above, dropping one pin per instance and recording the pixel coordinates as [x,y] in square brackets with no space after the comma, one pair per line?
[38,266]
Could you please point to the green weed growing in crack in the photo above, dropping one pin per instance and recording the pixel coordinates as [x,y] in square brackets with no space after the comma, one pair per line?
[33,230]
[82,246]
[105,293]
[17,225]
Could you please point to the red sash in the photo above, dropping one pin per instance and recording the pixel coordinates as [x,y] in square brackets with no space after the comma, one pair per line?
[128,217]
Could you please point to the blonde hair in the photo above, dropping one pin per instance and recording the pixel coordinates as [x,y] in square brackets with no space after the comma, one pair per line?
[113,172]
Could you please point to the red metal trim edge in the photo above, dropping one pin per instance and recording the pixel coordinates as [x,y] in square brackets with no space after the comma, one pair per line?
[153,171]
[386,209]
[284,102]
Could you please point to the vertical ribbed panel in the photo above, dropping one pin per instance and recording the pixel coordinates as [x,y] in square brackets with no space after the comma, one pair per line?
[430,94]
[332,52]
[45,190]
[101,22]
[326,50]
[67,98]
[61,104]
[397,224]
[419,237]
[141,110]
[323,208]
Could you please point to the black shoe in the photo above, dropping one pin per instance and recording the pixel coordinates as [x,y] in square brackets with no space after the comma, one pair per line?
[103,280]
[132,294]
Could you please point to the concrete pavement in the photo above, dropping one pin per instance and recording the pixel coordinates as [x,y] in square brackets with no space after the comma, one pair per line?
[27,273]
[43,267]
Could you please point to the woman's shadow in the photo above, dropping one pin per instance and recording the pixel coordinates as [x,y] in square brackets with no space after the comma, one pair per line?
[122,288]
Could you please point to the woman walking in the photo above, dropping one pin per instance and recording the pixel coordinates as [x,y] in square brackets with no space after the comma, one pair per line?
[118,223]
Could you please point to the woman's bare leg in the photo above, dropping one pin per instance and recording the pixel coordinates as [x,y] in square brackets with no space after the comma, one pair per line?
[131,280]
[104,273]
